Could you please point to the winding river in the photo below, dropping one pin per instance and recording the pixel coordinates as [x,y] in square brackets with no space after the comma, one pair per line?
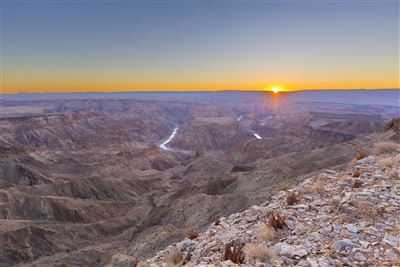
[164,144]
[256,135]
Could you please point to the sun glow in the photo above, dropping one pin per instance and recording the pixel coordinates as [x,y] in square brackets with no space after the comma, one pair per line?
[276,90]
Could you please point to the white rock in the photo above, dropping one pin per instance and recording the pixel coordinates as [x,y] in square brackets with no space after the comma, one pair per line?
[360,257]
[352,228]
[323,263]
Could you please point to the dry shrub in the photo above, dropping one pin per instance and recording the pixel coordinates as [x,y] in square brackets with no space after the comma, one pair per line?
[366,210]
[356,184]
[192,234]
[386,148]
[217,220]
[292,198]
[319,186]
[174,257]
[264,232]
[276,221]
[361,155]
[356,173]
[282,186]
[342,176]
[134,263]
[386,162]
[234,252]
[394,175]
[259,251]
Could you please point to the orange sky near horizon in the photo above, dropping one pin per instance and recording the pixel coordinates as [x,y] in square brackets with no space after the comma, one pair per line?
[109,85]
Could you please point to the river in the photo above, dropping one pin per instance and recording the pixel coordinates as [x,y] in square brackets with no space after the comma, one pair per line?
[173,134]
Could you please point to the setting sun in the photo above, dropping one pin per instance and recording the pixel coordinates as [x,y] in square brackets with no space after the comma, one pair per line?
[276,90]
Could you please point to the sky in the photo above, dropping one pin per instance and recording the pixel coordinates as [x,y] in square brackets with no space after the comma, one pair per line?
[65,46]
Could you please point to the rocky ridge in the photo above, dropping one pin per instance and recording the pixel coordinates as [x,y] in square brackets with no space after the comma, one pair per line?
[349,218]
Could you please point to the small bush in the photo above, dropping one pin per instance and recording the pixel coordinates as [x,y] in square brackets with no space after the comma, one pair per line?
[276,221]
[319,186]
[386,148]
[282,186]
[356,173]
[292,198]
[356,184]
[217,220]
[394,175]
[386,162]
[174,257]
[134,263]
[364,209]
[259,251]
[192,234]
[234,252]
[361,155]
[264,232]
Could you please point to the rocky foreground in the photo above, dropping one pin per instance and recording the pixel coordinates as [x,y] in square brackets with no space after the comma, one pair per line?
[349,218]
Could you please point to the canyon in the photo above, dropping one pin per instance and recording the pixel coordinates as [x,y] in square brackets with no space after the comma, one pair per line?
[84,177]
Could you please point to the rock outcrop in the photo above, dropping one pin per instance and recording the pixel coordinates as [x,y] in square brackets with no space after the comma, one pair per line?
[349,218]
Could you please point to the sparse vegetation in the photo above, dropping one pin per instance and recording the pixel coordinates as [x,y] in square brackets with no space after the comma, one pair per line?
[276,221]
[342,176]
[137,263]
[192,234]
[292,198]
[134,263]
[394,175]
[362,154]
[174,257]
[265,232]
[386,148]
[366,210]
[234,252]
[386,162]
[319,186]
[259,251]
[356,183]
[217,220]
[282,186]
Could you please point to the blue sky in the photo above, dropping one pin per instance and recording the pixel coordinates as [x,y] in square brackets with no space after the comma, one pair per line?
[164,45]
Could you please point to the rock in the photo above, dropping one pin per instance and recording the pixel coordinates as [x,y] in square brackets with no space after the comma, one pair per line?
[336,228]
[360,257]
[391,255]
[300,206]
[312,262]
[250,219]
[318,202]
[323,263]
[345,244]
[391,240]
[290,224]
[229,236]
[229,263]
[290,251]
[364,244]
[351,228]
[380,176]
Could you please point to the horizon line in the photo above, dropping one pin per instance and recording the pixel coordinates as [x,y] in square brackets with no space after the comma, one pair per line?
[200,91]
